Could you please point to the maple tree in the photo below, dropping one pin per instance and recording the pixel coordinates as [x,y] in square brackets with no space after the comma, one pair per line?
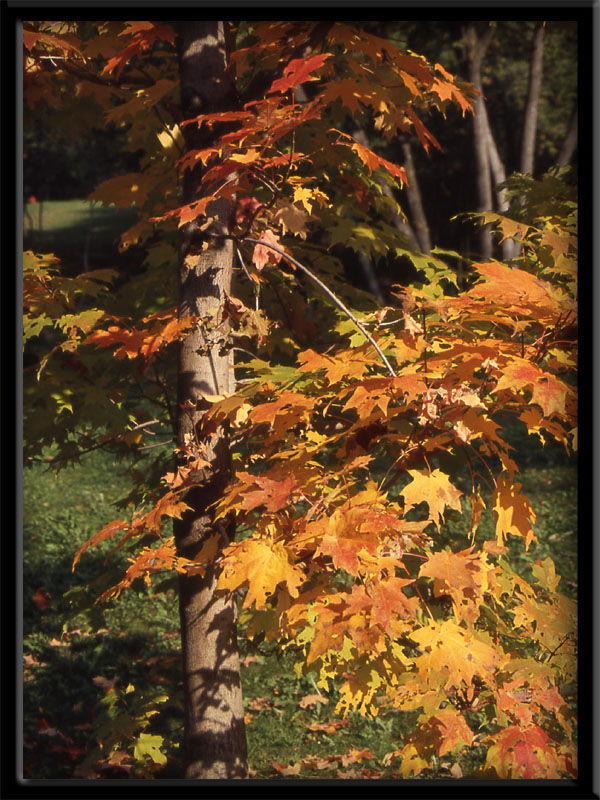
[346,446]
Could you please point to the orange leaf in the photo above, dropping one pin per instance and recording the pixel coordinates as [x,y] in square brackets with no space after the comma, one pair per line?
[547,391]
[526,753]
[263,255]
[107,532]
[371,160]
[143,36]
[274,495]
[310,700]
[461,575]
[42,599]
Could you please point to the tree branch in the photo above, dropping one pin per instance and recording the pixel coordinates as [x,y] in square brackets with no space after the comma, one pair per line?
[331,295]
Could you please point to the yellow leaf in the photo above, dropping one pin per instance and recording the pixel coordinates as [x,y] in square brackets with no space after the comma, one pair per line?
[514,514]
[412,763]
[262,565]
[433,488]
[304,196]
[455,654]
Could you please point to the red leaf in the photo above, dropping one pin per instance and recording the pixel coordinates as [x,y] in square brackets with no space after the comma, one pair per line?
[298,71]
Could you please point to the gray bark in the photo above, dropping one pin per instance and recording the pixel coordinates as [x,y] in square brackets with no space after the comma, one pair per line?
[415,201]
[476,49]
[533,101]
[508,247]
[569,144]
[215,744]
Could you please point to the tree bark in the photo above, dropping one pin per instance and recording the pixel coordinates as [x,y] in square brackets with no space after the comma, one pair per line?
[533,101]
[214,736]
[569,144]
[415,201]
[508,247]
[476,49]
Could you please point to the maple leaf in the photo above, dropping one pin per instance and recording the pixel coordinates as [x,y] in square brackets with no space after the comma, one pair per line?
[262,565]
[433,488]
[509,285]
[425,137]
[547,391]
[292,219]
[371,160]
[186,213]
[263,255]
[390,604]
[42,599]
[452,729]
[148,745]
[525,752]
[412,762]
[143,36]
[461,575]
[311,700]
[124,190]
[33,38]
[349,91]
[107,532]
[514,514]
[298,71]
[287,769]
[348,364]
[274,495]
[455,654]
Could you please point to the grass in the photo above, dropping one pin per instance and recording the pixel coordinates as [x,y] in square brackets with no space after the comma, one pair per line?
[82,234]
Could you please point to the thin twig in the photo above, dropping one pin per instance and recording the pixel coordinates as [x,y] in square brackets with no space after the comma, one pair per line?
[331,295]
[158,444]
[256,285]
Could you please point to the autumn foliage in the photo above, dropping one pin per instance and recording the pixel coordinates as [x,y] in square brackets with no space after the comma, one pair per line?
[352,450]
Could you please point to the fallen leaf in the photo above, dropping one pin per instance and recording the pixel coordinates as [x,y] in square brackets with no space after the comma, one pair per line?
[311,700]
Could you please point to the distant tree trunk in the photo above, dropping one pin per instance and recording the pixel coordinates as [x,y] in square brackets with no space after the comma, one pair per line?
[415,201]
[214,737]
[508,247]
[569,144]
[533,100]
[476,49]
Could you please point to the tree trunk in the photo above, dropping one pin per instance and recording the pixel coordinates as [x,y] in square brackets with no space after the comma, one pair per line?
[570,143]
[415,201]
[214,736]
[508,247]
[476,49]
[533,101]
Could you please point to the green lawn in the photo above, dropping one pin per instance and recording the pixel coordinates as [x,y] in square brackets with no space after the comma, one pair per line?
[83,235]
